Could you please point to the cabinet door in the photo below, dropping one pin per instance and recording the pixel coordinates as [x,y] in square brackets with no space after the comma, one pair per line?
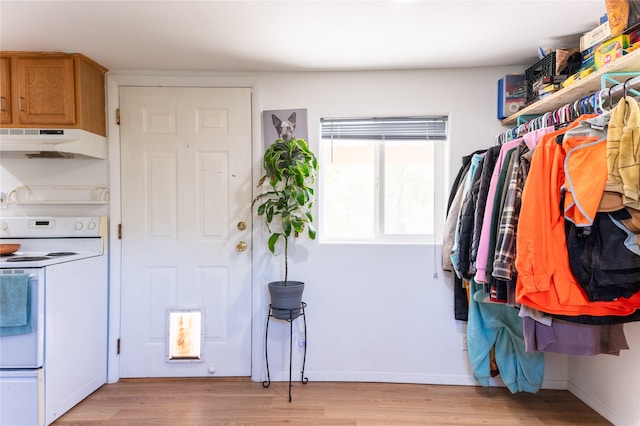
[46,94]
[5,90]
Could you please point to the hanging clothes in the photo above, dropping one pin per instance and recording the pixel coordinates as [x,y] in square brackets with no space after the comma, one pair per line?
[503,289]
[585,169]
[545,280]
[601,263]
[498,325]
[549,226]
[485,231]
[463,265]
[489,164]
[456,195]
[568,338]
[453,206]
[450,223]
[623,152]
[504,256]
[455,249]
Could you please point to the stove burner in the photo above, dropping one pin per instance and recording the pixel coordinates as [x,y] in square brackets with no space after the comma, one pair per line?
[62,253]
[26,258]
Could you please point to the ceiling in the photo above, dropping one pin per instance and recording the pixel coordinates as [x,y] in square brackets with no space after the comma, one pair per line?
[303,35]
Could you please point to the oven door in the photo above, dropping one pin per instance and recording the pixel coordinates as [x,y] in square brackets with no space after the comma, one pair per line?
[26,350]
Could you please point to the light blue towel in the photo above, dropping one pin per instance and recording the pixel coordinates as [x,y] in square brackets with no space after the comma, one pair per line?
[15,304]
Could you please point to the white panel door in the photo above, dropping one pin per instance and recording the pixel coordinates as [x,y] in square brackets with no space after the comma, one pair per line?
[186,196]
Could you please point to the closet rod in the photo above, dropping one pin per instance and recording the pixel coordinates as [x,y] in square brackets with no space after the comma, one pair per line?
[618,89]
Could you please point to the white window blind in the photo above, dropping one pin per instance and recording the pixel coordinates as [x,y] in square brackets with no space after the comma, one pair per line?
[395,128]
[378,178]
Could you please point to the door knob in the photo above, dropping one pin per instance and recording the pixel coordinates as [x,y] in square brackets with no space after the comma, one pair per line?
[241,246]
[242,226]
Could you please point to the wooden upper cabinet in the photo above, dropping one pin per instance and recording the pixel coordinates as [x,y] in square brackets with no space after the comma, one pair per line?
[46,91]
[5,91]
[54,90]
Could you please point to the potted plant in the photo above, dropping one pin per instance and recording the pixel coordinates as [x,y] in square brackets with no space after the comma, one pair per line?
[290,170]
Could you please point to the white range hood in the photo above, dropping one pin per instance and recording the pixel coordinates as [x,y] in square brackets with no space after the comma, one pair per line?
[52,143]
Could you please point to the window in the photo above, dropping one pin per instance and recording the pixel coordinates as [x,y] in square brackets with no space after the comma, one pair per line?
[377,178]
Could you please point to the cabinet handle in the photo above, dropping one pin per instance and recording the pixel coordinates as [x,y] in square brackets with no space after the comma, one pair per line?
[2,98]
[20,106]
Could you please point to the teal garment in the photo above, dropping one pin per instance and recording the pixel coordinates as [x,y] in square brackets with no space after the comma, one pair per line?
[498,324]
[15,304]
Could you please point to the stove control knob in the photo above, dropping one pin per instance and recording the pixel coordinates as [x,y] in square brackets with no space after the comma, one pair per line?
[91,226]
[4,226]
[79,225]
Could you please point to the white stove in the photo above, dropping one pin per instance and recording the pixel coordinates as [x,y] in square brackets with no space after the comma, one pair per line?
[46,241]
[54,352]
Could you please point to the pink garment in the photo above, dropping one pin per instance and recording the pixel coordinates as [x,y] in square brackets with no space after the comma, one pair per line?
[531,139]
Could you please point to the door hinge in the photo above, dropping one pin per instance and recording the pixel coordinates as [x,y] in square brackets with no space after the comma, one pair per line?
[118,347]
[118,116]
[119,231]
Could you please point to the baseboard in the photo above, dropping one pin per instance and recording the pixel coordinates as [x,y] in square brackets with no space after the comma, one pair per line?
[380,377]
[376,376]
[598,406]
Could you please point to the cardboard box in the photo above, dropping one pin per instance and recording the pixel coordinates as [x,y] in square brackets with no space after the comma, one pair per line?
[622,14]
[610,50]
[511,90]
[595,36]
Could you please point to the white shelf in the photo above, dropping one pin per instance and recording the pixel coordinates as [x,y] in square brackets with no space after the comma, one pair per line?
[59,194]
[579,89]
[53,203]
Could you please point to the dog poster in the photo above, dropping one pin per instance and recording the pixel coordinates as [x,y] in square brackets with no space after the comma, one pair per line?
[284,124]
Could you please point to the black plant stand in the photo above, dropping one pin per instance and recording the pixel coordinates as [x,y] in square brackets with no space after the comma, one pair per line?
[287,315]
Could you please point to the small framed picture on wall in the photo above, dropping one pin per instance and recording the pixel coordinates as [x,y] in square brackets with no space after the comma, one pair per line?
[284,124]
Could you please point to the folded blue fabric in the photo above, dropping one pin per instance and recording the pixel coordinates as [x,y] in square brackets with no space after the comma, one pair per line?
[15,304]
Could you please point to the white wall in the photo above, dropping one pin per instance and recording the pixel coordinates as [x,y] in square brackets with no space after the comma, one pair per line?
[365,332]
[34,172]
[610,384]
[357,328]
[376,312]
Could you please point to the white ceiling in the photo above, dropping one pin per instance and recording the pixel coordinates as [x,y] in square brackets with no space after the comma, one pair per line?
[303,35]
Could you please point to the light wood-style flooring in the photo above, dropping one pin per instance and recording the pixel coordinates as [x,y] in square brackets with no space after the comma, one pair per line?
[190,402]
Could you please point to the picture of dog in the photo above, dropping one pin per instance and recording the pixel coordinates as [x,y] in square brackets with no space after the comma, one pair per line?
[284,129]
[276,125]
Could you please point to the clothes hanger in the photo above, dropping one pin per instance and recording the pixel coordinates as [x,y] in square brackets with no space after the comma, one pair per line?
[600,102]
[569,112]
[624,88]
[584,105]
[576,108]
[596,104]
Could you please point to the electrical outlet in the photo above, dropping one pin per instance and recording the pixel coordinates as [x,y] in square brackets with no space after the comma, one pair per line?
[465,346]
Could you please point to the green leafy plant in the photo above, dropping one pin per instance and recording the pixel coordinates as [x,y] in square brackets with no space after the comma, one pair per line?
[290,170]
